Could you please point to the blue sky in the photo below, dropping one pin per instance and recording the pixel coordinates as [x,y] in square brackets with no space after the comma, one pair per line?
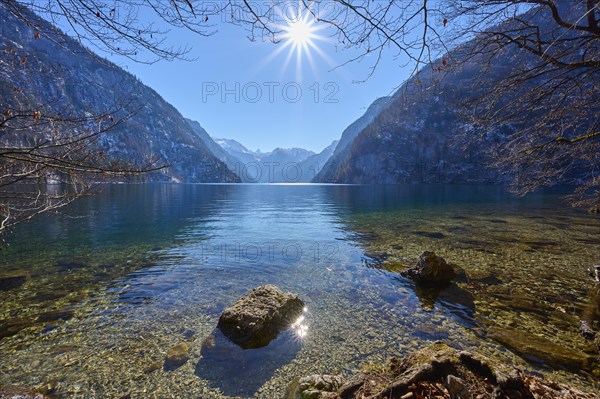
[277,116]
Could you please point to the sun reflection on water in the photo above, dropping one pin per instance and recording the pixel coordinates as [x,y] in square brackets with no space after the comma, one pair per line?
[300,326]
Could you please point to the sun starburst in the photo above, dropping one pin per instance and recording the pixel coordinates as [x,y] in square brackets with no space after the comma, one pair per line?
[300,34]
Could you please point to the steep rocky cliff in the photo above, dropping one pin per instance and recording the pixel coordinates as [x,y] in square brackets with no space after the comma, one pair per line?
[424,133]
[56,74]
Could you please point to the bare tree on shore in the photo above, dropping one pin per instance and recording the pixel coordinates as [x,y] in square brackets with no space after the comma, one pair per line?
[547,105]
[49,158]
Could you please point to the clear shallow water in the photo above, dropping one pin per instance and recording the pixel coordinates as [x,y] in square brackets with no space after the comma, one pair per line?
[125,275]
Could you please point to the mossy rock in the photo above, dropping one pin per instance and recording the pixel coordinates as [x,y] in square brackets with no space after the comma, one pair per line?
[316,386]
[537,349]
[431,270]
[258,317]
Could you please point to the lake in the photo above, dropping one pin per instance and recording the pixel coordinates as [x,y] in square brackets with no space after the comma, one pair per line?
[120,277]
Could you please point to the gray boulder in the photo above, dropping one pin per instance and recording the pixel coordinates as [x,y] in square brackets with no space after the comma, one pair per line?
[431,270]
[256,318]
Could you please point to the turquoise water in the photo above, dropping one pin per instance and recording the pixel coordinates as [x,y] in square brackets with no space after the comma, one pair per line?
[120,277]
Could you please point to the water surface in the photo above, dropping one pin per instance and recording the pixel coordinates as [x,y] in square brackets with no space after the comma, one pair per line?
[120,277]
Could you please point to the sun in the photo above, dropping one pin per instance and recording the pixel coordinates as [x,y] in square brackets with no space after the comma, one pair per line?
[300,33]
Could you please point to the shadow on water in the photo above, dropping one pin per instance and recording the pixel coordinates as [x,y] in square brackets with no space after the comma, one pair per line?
[451,299]
[241,372]
[390,197]
[147,285]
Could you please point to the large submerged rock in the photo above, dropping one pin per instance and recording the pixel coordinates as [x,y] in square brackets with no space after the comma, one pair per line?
[431,270]
[538,349]
[256,318]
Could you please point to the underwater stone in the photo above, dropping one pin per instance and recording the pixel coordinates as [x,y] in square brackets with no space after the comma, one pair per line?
[428,234]
[177,356]
[55,315]
[535,348]
[152,367]
[315,386]
[17,392]
[431,270]
[258,317]
[11,280]
[11,327]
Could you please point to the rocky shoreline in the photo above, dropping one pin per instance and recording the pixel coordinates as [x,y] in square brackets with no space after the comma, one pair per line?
[438,371]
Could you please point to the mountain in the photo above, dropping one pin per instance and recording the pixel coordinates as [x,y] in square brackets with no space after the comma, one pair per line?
[312,166]
[59,75]
[348,135]
[422,134]
[284,155]
[237,150]
[282,165]
[415,137]
[217,150]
